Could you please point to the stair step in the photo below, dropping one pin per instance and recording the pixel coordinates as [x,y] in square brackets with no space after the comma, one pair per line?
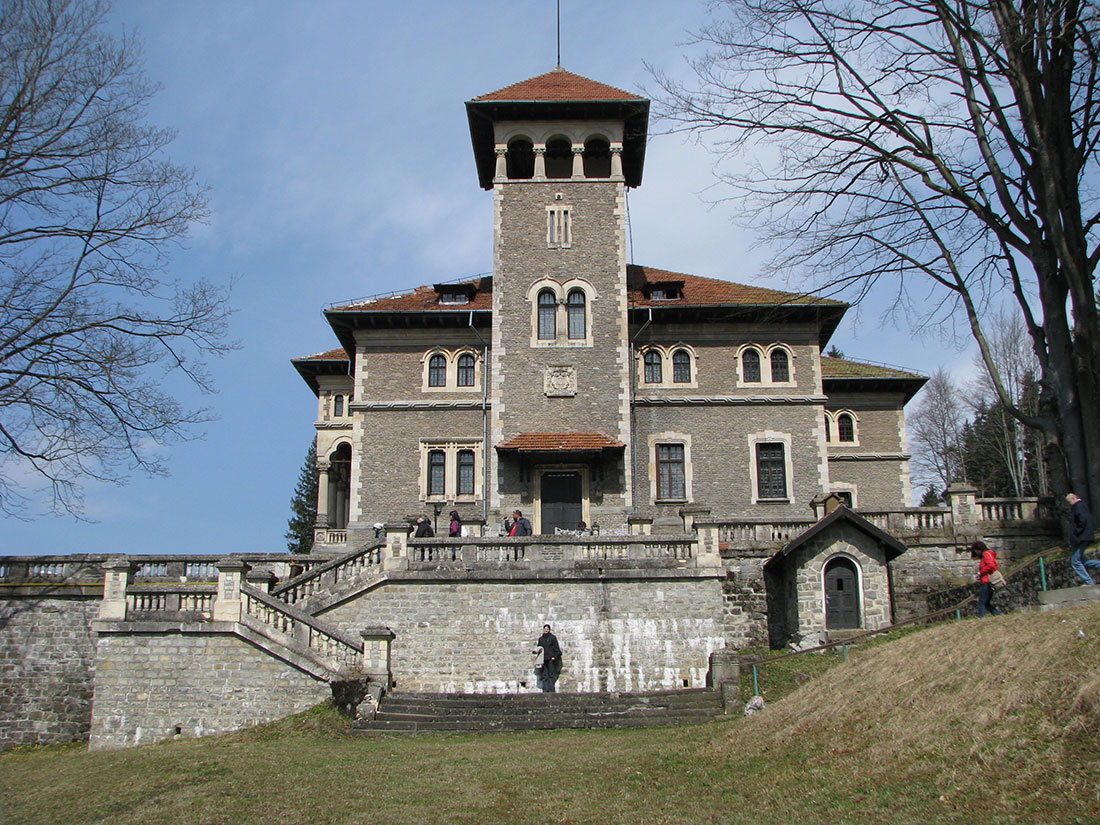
[420,712]
[1069,597]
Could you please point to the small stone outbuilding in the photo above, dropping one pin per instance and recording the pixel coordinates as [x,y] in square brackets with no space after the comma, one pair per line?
[833,577]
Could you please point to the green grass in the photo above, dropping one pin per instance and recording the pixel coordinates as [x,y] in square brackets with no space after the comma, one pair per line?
[993,720]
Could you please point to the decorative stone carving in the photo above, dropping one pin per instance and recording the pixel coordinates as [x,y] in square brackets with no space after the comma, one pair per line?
[560,382]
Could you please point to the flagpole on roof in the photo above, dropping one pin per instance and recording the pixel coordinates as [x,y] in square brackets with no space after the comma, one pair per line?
[559,33]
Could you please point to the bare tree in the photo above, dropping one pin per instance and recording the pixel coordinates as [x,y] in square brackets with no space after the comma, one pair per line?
[935,431]
[944,150]
[89,207]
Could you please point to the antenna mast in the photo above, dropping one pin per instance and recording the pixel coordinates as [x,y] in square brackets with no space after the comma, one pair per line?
[559,32]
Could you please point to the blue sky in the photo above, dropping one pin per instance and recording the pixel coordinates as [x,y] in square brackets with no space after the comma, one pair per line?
[335,143]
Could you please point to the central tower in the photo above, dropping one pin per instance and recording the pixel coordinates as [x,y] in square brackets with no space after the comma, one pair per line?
[559,151]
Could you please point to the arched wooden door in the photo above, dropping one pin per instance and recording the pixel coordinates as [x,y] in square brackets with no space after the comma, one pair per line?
[841,595]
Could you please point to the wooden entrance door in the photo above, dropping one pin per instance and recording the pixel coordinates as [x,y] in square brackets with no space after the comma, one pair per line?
[561,501]
[841,595]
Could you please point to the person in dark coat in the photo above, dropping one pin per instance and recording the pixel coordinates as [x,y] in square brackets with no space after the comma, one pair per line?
[520,525]
[1082,531]
[551,660]
[423,528]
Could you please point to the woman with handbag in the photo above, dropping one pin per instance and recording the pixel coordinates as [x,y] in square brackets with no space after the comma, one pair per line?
[989,571]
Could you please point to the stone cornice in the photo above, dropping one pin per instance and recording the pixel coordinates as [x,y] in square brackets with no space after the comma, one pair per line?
[729,400]
[870,457]
[468,404]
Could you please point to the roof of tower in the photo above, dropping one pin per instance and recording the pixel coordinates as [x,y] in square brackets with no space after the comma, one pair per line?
[557,84]
[558,95]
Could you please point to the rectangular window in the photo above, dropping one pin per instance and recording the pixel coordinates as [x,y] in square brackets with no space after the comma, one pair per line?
[771,471]
[559,227]
[465,486]
[670,471]
[437,473]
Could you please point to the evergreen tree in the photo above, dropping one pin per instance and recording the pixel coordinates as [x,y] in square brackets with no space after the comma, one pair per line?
[303,507]
[931,497]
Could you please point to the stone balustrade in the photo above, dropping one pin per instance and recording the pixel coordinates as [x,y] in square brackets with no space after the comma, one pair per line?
[474,552]
[152,600]
[302,628]
[325,577]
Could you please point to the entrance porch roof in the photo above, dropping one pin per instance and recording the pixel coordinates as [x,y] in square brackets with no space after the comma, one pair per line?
[594,442]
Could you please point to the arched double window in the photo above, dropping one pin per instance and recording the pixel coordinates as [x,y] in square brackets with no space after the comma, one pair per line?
[466,370]
[576,315]
[681,367]
[520,159]
[750,366]
[845,428]
[653,371]
[437,371]
[781,367]
[548,313]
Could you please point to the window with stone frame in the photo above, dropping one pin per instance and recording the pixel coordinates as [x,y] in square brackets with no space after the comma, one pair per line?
[466,370]
[559,226]
[576,315]
[681,367]
[437,371]
[464,482]
[653,369]
[781,366]
[547,316]
[845,428]
[771,471]
[437,473]
[338,406]
[750,366]
[670,472]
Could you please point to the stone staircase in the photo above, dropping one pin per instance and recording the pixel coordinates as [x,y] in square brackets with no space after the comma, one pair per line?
[1069,597]
[422,712]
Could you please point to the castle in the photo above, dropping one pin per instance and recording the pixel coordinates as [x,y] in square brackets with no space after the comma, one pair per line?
[699,476]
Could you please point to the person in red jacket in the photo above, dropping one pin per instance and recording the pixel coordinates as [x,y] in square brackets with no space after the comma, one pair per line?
[986,566]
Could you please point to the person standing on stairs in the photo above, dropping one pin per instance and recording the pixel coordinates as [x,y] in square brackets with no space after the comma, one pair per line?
[547,645]
[1082,531]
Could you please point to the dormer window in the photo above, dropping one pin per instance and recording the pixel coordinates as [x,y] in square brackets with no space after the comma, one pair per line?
[455,294]
[667,291]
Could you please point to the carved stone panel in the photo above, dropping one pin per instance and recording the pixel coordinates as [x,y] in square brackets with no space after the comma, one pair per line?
[560,382]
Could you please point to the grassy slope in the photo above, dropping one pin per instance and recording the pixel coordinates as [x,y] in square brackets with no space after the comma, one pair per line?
[993,720]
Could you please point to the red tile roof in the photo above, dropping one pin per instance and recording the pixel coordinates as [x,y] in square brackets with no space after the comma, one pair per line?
[424,299]
[557,84]
[561,443]
[337,354]
[698,291]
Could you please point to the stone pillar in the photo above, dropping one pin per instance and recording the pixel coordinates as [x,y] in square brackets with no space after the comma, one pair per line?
[393,554]
[322,493]
[540,163]
[690,515]
[501,172]
[617,161]
[227,601]
[640,525]
[578,161]
[262,580]
[963,500]
[376,654]
[706,544]
[120,573]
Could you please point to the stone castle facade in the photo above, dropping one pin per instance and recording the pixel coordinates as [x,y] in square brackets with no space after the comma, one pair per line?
[699,476]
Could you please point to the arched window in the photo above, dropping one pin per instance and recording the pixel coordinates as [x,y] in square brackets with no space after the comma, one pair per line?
[437,472]
[465,370]
[828,429]
[437,371]
[845,428]
[559,158]
[548,309]
[521,159]
[750,366]
[575,314]
[339,486]
[338,406]
[465,481]
[781,367]
[681,367]
[597,158]
[652,367]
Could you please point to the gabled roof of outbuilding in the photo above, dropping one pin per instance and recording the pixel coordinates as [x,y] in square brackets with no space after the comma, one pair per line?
[892,548]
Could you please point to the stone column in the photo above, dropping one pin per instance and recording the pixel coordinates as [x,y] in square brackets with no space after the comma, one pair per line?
[393,554]
[501,172]
[120,574]
[376,654]
[963,501]
[540,163]
[227,601]
[706,544]
[617,161]
[322,493]
[578,161]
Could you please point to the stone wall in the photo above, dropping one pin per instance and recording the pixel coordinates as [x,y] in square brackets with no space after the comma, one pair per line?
[477,636]
[155,686]
[1023,588]
[47,663]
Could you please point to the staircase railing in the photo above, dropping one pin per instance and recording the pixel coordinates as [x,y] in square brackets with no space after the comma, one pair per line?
[326,577]
[318,636]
